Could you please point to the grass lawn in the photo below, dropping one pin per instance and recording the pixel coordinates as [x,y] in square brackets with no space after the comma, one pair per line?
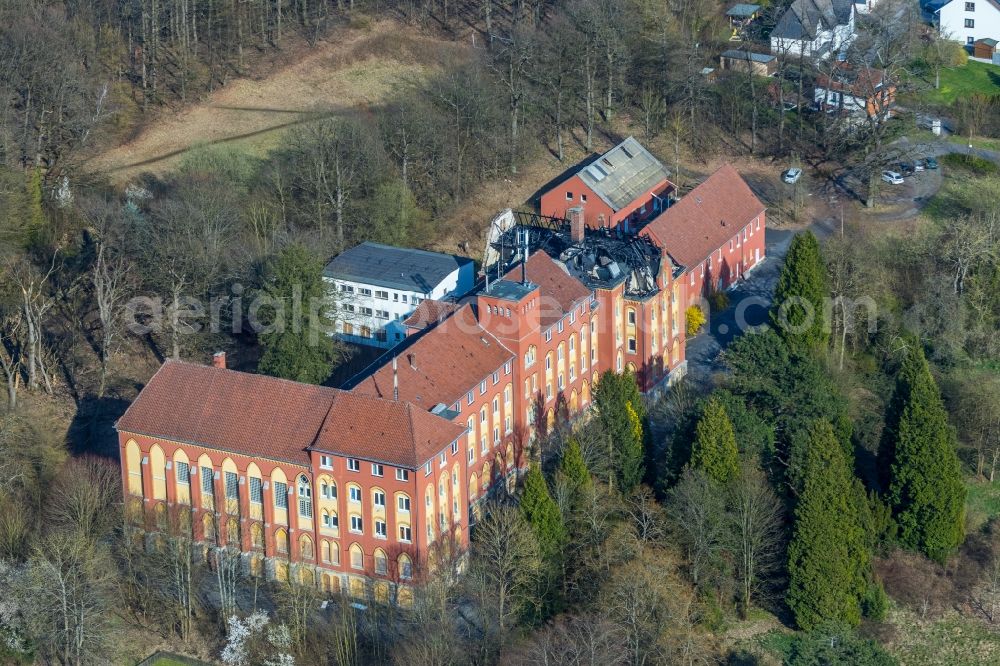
[977,142]
[961,81]
[982,502]
[951,640]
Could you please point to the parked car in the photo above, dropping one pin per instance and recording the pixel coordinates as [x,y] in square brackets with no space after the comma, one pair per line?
[906,168]
[929,163]
[892,177]
[792,175]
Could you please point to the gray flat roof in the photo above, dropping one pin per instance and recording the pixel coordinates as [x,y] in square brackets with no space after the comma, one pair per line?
[401,268]
[509,291]
[747,55]
[742,10]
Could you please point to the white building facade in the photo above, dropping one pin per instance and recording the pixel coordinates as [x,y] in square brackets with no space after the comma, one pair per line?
[814,29]
[966,21]
[374,287]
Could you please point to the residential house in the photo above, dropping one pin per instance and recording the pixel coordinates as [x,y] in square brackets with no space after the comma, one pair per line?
[621,188]
[855,91]
[966,21]
[375,287]
[814,28]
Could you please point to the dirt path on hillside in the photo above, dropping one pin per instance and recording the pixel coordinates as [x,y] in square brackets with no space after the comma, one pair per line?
[355,70]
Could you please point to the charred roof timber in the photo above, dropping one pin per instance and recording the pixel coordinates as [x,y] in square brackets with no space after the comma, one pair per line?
[603,259]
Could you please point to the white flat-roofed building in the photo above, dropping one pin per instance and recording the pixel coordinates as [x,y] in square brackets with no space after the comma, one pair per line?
[375,287]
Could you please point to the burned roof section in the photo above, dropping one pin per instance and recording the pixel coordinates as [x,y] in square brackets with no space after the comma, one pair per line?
[603,259]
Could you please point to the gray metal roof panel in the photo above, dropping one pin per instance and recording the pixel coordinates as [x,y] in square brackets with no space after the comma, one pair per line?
[748,55]
[623,173]
[394,267]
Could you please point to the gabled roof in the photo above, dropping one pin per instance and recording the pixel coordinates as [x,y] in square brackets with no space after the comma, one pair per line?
[559,292]
[803,17]
[430,313]
[394,267]
[706,218]
[265,417]
[623,173]
[441,365]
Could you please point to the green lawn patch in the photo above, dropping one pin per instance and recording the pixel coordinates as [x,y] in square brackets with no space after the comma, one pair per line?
[973,77]
[968,185]
[952,640]
[983,142]
[982,502]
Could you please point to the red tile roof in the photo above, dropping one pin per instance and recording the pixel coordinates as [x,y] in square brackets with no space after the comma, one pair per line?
[278,419]
[704,220]
[441,365]
[559,291]
[429,313]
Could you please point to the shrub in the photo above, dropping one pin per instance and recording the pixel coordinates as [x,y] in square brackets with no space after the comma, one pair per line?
[977,165]
[719,301]
[695,319]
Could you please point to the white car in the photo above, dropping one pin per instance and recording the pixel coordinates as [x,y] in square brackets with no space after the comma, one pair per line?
[892,177]
[792,176]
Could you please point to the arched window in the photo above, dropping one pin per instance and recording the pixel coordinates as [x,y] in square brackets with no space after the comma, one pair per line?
[381,562]
[330,520]
[473,486]
[158,467]
[161,516]
[281,541]
[405,566]
[133,461]
[305,497]
[306,547]
[326,552]
[529,356]
[486,475]
[233,532]
[334,553]
[182,477]
[256,536]
[208,527]
[357,557]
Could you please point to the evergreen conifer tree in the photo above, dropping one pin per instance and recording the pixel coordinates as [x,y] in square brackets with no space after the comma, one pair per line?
[925,489]
[614,397]
[573,467]
[301,349]
[542,513]
[829,564]
[631,463]
[714,449]
[801,288]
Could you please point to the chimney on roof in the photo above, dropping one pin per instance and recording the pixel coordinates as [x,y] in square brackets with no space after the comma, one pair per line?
[395,381]
[219,360]
[576,224]
[412,358]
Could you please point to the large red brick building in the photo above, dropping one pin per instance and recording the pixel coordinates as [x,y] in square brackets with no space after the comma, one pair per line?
[359,489]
